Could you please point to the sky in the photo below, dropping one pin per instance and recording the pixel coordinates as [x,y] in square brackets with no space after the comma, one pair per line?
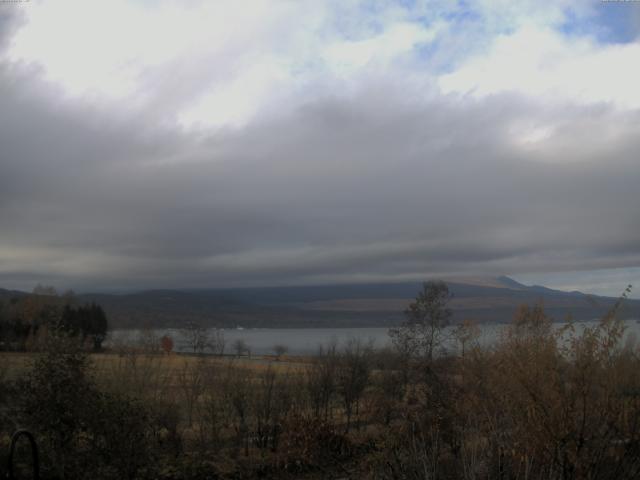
[179,144]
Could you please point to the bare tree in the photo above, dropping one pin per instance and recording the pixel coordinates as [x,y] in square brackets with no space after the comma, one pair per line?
[213,412]
[421,333]
[148,341]
[191,382]
[466,333]
[195,336]
[237,395]
[353,373]
[217,342]
[241,347]
[320,380]
[280,350]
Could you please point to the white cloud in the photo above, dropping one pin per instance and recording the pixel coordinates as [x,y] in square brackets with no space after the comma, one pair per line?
[107,50]
[541,63]
[210,63]
[238,101]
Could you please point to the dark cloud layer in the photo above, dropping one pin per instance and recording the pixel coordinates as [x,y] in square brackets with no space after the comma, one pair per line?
[368,186]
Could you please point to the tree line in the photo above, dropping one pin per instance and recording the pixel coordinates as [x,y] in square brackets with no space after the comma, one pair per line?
[25,321]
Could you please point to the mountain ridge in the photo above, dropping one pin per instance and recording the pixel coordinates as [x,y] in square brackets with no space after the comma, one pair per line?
[494,299]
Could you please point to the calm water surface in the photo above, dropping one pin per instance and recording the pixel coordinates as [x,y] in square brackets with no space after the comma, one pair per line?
[303,341]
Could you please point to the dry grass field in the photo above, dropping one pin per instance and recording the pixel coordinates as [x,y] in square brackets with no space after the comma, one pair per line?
[529,404]
[16,363]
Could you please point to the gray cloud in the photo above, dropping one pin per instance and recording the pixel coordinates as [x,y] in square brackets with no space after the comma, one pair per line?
[11,19]
[366,186]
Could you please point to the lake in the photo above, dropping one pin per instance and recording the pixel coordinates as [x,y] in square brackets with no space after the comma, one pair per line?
[305,341]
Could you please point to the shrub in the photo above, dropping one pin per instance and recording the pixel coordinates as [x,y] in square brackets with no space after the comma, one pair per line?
[81,430]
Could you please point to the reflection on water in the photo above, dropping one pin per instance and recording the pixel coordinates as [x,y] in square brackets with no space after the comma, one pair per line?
[303,341]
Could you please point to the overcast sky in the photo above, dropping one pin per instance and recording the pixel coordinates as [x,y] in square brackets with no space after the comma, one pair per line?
[149,144]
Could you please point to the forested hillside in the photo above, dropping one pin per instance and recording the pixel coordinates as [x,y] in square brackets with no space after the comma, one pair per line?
[483,300]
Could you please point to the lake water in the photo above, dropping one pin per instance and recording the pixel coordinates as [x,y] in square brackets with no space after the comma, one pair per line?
[304,341]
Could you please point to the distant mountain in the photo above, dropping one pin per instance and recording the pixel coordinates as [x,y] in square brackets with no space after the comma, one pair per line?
[510,283]
[482,299]
[8,294]
[485,299]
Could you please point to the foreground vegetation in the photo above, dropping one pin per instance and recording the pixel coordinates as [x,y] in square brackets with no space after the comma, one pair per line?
[540,403]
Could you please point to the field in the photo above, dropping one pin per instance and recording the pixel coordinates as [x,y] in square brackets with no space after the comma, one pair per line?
[16,364]
[539,404]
